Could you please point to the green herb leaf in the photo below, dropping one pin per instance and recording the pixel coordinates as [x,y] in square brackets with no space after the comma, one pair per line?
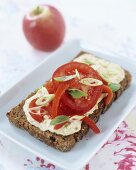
[65,78]
[77,94]
[91,82]
[114,87]
[86,61]
[59,119]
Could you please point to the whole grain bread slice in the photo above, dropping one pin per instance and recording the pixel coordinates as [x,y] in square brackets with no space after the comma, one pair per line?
[63,143]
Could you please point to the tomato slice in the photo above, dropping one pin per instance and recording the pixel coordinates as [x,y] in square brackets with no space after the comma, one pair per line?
[109,98]
[78,106]
[91,124]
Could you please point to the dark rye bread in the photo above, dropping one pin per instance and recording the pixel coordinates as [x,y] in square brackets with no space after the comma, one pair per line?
[62,143]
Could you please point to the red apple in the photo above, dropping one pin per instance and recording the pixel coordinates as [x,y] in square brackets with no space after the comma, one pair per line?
[44,28]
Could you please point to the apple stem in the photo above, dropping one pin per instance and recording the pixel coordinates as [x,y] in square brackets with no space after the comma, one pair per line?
[38,10]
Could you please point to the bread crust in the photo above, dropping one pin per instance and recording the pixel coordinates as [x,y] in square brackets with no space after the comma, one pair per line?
[63,143]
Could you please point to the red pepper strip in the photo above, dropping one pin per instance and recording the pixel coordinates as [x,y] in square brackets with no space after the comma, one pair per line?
[59,92]
[104,81]
[32,103]
[58,126]
[91,124]
[48,109]
[49,86]
[108,99]
[39,118]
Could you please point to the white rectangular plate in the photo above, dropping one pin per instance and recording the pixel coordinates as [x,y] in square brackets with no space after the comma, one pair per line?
[71,160]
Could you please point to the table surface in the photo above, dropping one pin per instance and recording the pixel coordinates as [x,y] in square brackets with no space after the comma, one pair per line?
[107,26]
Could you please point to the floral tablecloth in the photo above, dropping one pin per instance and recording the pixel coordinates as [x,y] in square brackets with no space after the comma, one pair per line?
[108,26]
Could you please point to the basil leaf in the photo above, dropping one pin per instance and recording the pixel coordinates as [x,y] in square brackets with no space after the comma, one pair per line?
[114,87]
[65,78]
[91,82]
[86,61]
[77,94]
[59,119]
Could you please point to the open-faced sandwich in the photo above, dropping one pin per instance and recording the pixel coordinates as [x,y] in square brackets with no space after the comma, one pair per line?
[62,111]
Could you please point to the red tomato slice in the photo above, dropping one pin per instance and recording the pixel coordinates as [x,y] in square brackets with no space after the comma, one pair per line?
[78,106]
